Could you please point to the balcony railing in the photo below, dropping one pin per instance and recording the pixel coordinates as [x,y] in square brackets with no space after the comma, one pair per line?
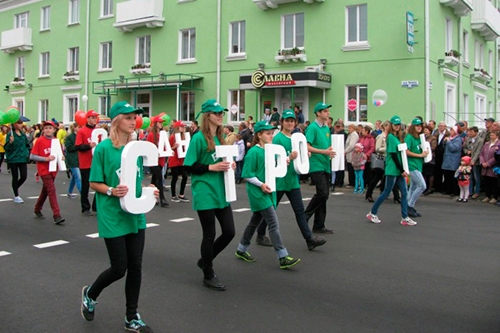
[16,40]
[134,14]
[460,7]
[266,4]
[486,19]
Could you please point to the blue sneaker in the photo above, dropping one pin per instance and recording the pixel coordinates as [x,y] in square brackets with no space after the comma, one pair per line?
[87,305]
[137,325]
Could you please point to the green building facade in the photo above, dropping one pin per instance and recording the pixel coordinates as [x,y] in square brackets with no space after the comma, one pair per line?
[435,58]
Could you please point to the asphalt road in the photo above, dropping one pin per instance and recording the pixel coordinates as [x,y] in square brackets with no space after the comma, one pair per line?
[439,276]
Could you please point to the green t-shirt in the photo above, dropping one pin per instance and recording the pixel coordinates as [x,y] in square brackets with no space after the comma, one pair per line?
[414,163]
[392,143]
[254,166]
[291,180]
[319,138]
[112,220]
[208,188]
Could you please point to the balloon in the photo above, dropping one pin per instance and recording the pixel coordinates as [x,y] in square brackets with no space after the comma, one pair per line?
[2,121]
[138,122]
[166,120]
[379,97]
[145,122]
[81,118]
[12,115]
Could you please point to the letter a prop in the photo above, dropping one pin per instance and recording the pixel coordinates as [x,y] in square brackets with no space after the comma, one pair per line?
[275,159]
[98,135]
[132,151]
[164,148]
[301,163]
[55,150]
[183,144]
[425,146]
[338,161]
[402,147]
[228,153]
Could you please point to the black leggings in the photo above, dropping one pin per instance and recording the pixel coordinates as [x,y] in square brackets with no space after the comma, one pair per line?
[125,256]
[19,172]
[176,172]
[211,247]
[2,157]
[157,180]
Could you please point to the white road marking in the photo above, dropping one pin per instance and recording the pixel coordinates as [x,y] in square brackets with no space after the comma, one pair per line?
[50,244]
[4,253]
[184,219]
[337,193]
[241,210]
[150,225]
[33,197]
[284,202]
[306,199]
[4,200]
[93,235]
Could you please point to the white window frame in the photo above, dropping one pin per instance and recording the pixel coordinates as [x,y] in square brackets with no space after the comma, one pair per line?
[45,18]
[20,103]
[478,55]
[358,45]
[295,43]
[68,115]
[465,45]
[466,107]
[73,12]
[107,8]
[191,98]
[358,100]
[44,64]
[191,46]
[104,104]
[240,103]
[21,20]
[480,105]
[448,35]
[450,104]
[106,56]
[73,64]
[43,110]
[143,56]
[241,38]
[20,67]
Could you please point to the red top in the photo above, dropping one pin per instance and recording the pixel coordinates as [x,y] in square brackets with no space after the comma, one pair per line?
[174,161]
[368,143]
[84,137]
[150,138]
[42,148]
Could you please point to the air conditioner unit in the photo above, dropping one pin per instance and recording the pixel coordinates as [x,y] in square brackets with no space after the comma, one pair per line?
[314,68]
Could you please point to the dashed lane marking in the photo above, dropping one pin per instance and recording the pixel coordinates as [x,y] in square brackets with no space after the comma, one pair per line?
[96,235]
[33,197]
[50,244]
[4,200]
[306,199]
[239,210]
[150,225]
[337,193]
[284,202]
[184,219]
[4,253]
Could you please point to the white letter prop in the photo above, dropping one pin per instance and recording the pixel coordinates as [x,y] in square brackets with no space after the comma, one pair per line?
[183,144]
[96,134]
[128,176]
[228,153]
[164,148]
[301,163]
[56,150]
[275,164]
[402,147]
[338,162]
[426,146]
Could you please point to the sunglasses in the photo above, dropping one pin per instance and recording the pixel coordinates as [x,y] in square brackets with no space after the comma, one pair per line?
[218,114]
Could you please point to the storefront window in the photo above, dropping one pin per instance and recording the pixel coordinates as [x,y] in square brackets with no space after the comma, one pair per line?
[359,94]
[236,106]
[187,106]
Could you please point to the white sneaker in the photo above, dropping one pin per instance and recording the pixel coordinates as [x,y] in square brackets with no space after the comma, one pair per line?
[372,218]
[408,222]
[18,200]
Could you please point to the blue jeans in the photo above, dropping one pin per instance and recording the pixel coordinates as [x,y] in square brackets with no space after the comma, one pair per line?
[76,179]
[359,183]
[417,187]
[269,215]
[475,180]
[390,181]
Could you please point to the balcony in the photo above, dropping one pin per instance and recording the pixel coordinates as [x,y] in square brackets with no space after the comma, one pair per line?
[16,40]
[273,4]
[481,75]
[460,7]
[135,14]
[485,19]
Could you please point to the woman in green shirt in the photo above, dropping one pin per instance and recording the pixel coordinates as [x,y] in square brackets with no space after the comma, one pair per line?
[207,186]
[394,175]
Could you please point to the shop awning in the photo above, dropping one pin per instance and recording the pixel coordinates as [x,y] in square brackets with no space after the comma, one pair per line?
[286,79]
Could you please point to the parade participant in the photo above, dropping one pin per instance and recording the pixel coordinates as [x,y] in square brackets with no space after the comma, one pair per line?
[72,161]
[156,171]
[415,164]
[123,233]
[320,147]
[41,154]
[175,163]
[262,199]
[207,184]
[84,145]
[3,135]
[463,176]
[17,151]
[358,161]
[394,175]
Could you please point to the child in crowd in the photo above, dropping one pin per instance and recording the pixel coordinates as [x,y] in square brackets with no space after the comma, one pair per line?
[239,159]
[463,175]
[358,164]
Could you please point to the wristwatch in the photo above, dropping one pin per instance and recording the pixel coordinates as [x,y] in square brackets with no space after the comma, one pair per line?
[109,191]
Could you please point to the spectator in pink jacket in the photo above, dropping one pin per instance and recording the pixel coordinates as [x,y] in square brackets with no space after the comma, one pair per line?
[368,141]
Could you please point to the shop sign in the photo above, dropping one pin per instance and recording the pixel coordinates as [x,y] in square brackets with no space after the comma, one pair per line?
[260,79]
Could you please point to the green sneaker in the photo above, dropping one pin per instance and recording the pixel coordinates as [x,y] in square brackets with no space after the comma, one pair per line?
[287,262]
[137,325]
[88,304]
[245,256]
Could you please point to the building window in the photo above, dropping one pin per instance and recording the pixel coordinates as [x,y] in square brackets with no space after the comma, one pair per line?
[466,107]
[237,106]
[143,55]
[74,11]
[70,107]
[21,20]
[106,56]
[465,46]
[450,113]
[20,71]
[45,18]
[106,8]
[187,41]
[19,104]
[292,31]
[187,106]
[448,35]
[237,38]
[357,24]
[480,105]
[43,107]
[73,59]
[143,100]
[478,55]
[44,64]
[104,104]
[359,94]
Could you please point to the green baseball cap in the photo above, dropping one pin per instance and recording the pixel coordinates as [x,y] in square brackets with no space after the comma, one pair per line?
[288,114]
[321,106]
[211,105]
[262,126]
[416,122]
[395,120]
[123,107]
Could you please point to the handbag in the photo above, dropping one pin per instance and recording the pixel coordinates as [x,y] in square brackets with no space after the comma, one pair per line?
[377,161]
